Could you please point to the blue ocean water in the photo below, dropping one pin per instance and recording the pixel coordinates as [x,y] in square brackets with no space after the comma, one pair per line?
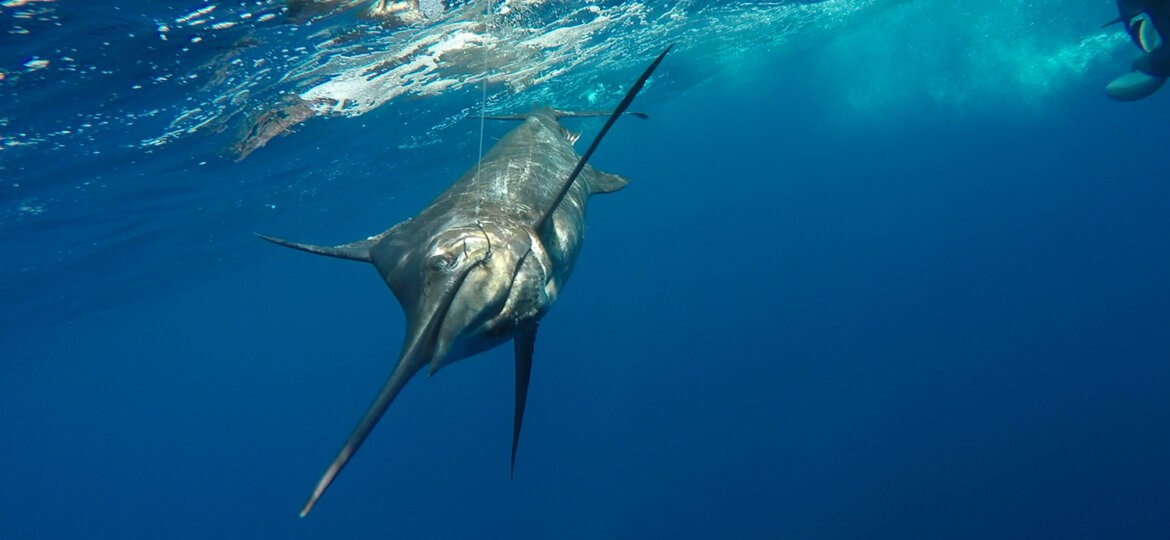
[886,269]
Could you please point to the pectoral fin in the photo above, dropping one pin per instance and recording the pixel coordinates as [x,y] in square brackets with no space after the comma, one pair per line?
[354,251]
[525,344]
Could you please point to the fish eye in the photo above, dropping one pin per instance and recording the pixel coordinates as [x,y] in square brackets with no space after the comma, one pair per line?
[441,262]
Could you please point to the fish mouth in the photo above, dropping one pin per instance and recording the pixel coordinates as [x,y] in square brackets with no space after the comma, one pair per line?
[482,311]
[481,314]
[424,344]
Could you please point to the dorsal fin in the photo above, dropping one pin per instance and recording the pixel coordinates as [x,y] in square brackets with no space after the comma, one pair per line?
[604,129]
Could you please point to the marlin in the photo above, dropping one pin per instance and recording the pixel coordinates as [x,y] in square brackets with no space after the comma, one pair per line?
[484,262]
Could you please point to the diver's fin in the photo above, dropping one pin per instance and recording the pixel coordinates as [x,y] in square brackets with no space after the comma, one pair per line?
[621,108]
[525,343]
[402,373]
[608,182]
[354,251]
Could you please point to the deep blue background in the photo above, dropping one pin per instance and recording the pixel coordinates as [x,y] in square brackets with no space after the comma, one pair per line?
[793,323]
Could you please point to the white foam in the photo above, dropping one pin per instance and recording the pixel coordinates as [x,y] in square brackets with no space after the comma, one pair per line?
[195,14]
[532,57]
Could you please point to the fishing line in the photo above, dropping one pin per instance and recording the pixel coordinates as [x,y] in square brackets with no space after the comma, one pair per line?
[487,11]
